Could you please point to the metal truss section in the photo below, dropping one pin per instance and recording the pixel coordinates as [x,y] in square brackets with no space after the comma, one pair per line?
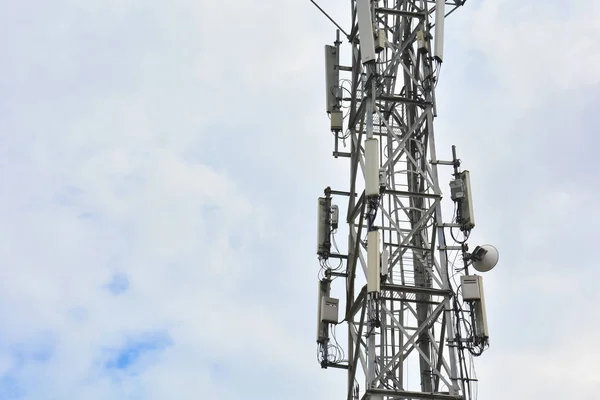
[398,338]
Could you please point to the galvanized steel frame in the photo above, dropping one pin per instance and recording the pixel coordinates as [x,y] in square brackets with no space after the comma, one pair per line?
[414,307]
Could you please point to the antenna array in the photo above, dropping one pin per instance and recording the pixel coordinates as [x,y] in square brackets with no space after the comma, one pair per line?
[412,324]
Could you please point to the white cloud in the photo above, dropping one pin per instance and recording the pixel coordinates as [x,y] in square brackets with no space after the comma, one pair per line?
[183,146]
[537,48]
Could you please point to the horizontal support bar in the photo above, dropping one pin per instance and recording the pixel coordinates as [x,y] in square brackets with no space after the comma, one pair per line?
[438,162]
[334,365]
[392,11]
[389,228]
[341,154]
[433,303]
[415,289]
[451,248]
[334,255]
[380,134]
[407,246]
[414,395]
[411,194]
[341,193]
[400,99]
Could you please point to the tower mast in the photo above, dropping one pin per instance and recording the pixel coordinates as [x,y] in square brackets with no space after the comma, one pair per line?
[410,335]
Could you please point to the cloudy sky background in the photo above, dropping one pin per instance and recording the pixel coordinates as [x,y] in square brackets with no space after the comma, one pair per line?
[160,163]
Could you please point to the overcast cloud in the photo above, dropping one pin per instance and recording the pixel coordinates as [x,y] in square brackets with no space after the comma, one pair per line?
[160,163]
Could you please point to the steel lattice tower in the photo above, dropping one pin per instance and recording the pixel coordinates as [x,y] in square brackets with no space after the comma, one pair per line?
[408,315]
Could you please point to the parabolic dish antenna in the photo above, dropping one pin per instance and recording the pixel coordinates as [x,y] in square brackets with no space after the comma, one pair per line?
[484,261]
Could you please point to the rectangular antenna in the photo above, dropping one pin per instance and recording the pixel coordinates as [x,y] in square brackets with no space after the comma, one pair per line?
[323,227]
[440,14]
[324,292]
[371,168]
[373,262]
[332,76]
[468,217]
[365,30]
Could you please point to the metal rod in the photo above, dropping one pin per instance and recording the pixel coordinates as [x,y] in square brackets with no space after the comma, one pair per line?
[331,19]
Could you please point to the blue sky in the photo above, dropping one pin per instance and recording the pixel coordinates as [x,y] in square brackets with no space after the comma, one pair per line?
[160,163]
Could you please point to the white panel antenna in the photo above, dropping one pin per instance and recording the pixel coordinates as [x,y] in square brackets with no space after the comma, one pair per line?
[319,306]
[438,42]
[323,226]
[481,314]
[372,168]
[468,217]
[365,30]
[332,76]
[373,262]
[324,291]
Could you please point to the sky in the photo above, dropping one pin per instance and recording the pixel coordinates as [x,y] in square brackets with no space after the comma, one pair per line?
[159,168]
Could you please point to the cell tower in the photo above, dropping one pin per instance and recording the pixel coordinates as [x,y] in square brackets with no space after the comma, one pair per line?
[415,319]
